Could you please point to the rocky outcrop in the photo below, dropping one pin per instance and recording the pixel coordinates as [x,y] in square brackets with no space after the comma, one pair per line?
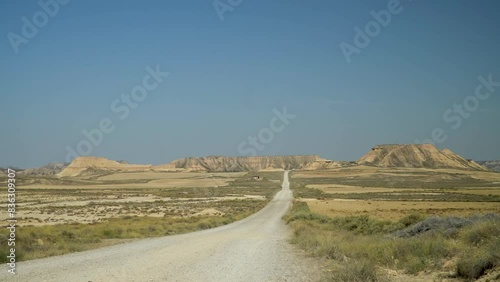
[85,166]
[493,165]
[230,164]
[416,156]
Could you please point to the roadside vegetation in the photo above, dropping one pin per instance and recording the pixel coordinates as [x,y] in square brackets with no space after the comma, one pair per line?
[360,248]
[50,240]
[381,224]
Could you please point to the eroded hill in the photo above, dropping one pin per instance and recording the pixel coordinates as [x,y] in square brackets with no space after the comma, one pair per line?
[92,165]
[413,156]
[416,156]
[84,166]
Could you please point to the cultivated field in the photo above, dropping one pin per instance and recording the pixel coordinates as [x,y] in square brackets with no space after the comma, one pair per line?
[61,215]
[388,193]
[386,224]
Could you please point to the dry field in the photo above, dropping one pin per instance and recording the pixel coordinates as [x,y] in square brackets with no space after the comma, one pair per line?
[154,194]
[61,215]
[395,210]
[389,193]
[377,224]
[136,180]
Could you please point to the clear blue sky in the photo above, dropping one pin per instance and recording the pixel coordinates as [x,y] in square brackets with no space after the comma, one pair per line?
[226,77]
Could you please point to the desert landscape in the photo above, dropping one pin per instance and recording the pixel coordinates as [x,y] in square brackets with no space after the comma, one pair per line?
[93,202]
[250,141]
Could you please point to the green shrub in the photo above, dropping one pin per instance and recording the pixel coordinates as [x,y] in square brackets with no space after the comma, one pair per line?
[362,224]
[411,219]
[203,225]
[353,271]
[481,232]
[475,261]
[475,264]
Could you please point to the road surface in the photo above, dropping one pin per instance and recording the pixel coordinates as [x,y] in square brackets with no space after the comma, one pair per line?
[253,249]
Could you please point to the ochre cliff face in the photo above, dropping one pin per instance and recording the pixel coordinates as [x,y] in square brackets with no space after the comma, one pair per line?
[417,156]
[88,165]
[228,164]
[413,155]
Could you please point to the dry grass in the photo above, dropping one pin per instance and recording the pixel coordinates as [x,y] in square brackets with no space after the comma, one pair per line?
[357,248]
[344,214]
[394,210]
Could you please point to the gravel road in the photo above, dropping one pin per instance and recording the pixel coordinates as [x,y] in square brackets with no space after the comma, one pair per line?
[253,249]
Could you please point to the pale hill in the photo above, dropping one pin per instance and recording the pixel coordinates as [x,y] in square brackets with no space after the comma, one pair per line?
[416,156]
[49,169]
[92,165]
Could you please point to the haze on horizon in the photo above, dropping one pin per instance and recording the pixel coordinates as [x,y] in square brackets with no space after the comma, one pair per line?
[232,77]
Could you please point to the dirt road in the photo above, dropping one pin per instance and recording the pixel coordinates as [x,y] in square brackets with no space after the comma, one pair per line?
[253,249]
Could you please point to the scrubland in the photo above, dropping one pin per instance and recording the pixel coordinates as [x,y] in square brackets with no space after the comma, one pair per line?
[376,224]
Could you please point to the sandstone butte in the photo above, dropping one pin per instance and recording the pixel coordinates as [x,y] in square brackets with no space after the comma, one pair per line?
[396,155]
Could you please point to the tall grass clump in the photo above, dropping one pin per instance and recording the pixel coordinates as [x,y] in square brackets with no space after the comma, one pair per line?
[481,250]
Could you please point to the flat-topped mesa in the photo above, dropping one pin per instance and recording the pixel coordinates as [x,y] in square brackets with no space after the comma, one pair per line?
[416,156]
[83,165]
[232,164]
[93,165]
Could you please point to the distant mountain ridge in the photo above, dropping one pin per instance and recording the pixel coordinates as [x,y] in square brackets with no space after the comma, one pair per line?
[48,169]
[493,165]
[4,170]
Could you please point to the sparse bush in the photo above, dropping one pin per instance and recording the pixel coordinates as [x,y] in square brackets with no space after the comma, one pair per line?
[353,271]
[482,251]
[411,219]
[65,234]
[362,224]
[476,262]
[481,232]
[204,225]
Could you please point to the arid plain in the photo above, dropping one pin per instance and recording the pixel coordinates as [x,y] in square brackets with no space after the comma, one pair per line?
[376,219]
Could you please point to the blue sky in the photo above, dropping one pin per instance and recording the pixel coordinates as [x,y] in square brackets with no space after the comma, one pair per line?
[226,77]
